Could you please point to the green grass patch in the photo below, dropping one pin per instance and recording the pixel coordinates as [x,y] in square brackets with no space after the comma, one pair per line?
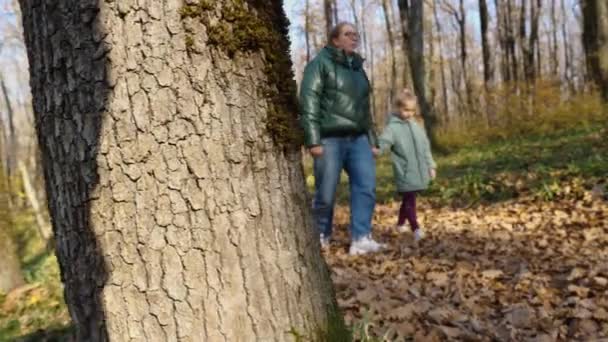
[563,163]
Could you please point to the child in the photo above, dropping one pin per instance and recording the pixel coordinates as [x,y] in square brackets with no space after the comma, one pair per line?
[413,164]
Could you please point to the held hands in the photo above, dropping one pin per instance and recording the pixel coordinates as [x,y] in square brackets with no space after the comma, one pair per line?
[316,151]
[375,151]
[433,173]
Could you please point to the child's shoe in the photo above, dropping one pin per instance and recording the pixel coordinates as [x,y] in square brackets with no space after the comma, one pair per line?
[402,228]
[418,234]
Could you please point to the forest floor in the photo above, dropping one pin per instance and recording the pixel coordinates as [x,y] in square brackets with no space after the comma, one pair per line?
[517,249]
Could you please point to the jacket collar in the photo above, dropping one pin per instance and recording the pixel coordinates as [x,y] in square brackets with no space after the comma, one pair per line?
[339,56]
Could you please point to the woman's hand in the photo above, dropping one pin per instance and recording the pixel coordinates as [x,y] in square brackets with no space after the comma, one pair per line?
[375,151]
[433,173]
[316,151]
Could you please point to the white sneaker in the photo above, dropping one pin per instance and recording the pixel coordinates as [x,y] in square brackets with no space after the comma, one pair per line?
[325,241]
[402,228]
[365,245]
[418,234]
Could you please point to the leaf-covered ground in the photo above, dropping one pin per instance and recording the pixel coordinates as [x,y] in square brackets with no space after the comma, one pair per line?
[517,270]
[517,250]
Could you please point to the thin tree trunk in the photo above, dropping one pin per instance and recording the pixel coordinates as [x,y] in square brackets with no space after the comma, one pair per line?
[529,43]
[179,210]
[554,43]
[10,268]
[328,16]
[391,42]
[353,6]
[567,55]
[488,67]
[44,228]
[404,7]
[11,139]
[511,42]
[307,29]
[502,39]
[488,70]
[334,7]
[444,86]
[368,39]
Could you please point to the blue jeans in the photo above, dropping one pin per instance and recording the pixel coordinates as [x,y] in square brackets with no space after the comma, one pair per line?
[354,155]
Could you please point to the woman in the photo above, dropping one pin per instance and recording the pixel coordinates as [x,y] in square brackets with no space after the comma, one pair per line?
[338,130]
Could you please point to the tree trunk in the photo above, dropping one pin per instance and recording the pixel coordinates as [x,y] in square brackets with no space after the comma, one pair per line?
[404,13]
[514,65]
[11,139]
[444,86]
[567,55]
[415,54]
[391,42]
[595,42]
[369,53]
[179,209]
[353,6]
[307,29]
[488,66]
[334,7]
[488,70]
[10,269]
[328,16]
[554,43]
[529,43]
[44,228]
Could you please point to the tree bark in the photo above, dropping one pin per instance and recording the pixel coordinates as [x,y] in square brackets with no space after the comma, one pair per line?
[177,215]
[595,42]
[414,13]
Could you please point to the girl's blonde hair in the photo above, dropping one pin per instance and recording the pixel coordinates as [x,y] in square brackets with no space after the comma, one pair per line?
[404,98]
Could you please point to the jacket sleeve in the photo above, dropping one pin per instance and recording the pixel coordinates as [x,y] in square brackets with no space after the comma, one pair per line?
[386,139]
[311,91]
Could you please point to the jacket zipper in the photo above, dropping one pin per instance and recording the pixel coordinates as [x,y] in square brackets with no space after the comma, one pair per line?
[409,125]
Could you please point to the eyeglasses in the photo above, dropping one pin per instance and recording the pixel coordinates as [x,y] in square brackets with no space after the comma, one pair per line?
[351,34]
